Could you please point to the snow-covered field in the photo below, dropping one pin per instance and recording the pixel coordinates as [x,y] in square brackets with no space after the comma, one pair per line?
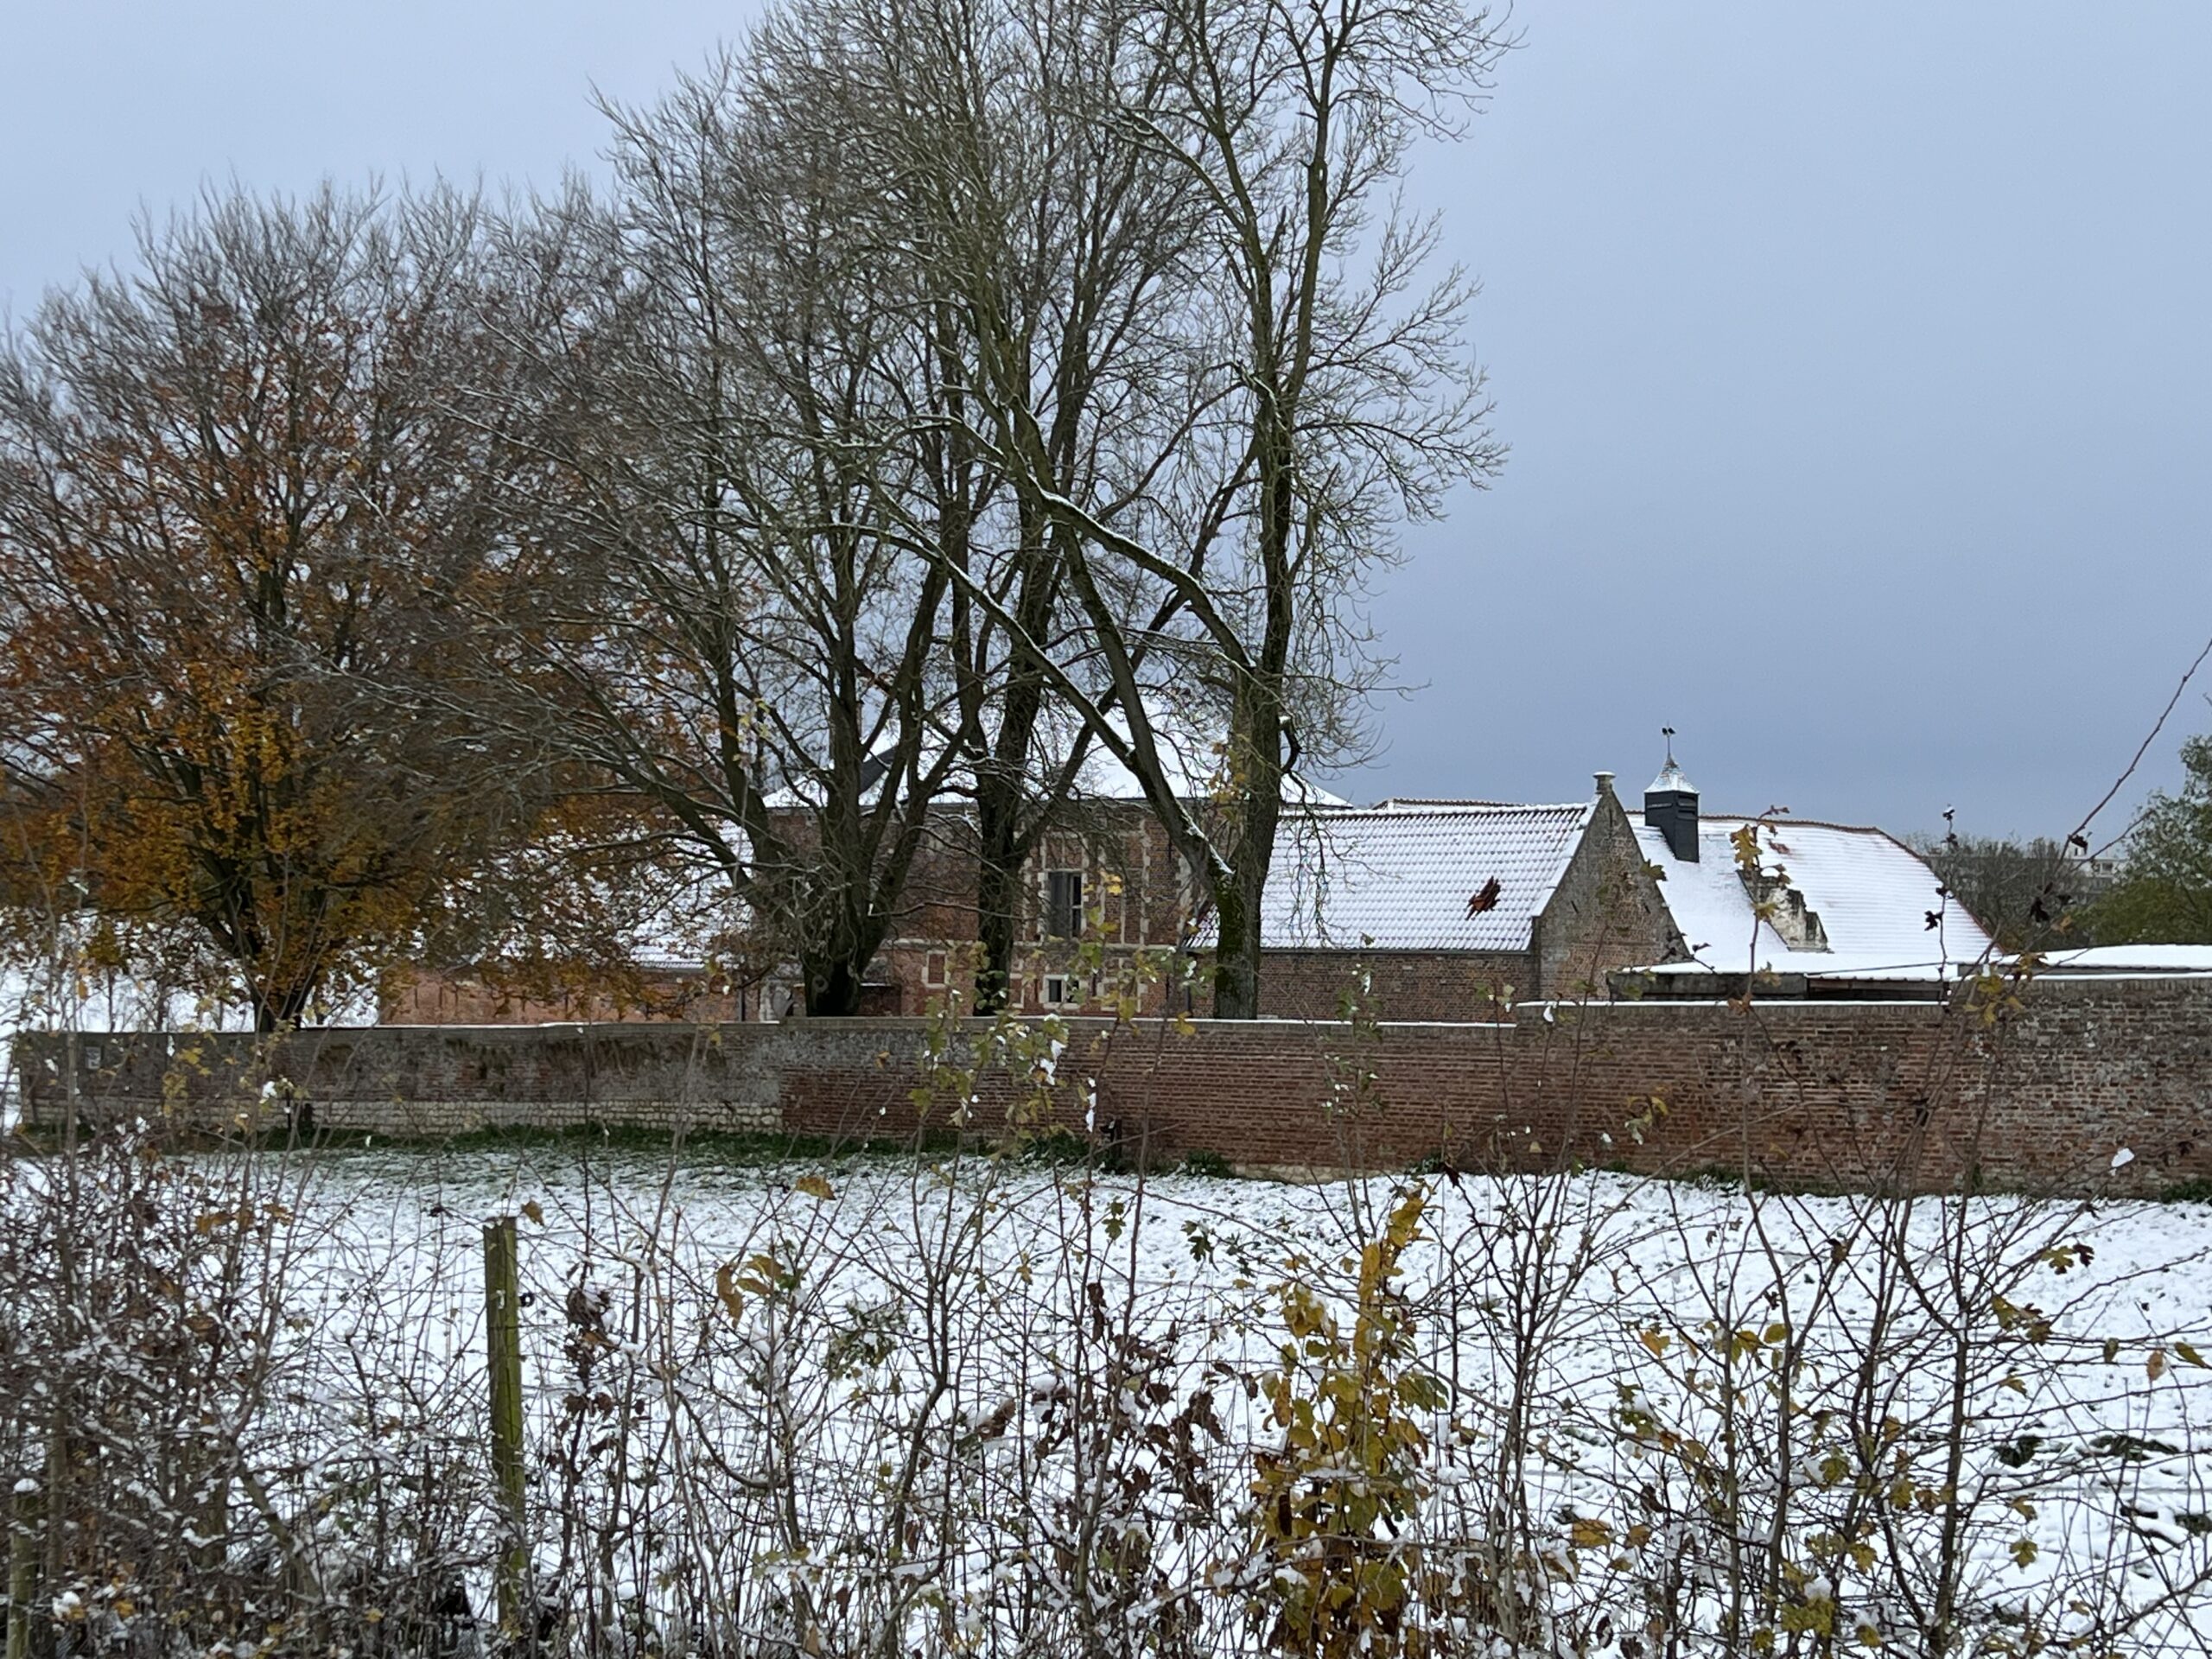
[990,1406]
[972,1400]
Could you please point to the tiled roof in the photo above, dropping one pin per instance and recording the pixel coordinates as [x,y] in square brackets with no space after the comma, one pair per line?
[1401,877]
[1871,892]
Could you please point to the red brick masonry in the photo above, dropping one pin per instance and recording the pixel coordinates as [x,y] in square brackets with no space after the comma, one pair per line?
[1841,1093]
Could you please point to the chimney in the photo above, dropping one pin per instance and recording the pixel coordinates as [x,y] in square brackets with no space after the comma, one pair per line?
[1670,807]
[1605,784]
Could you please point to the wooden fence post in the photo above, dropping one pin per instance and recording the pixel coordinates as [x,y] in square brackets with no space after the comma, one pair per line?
[503,1346]
[24,1513]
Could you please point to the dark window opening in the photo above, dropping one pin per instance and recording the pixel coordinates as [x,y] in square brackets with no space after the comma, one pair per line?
[1063,904]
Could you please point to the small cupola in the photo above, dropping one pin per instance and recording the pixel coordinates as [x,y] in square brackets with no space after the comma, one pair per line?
[1670,806]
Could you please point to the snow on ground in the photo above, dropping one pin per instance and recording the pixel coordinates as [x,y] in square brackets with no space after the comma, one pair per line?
[1656,1332]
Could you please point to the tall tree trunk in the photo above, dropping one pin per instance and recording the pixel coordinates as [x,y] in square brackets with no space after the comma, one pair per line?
[1002,860]
[1236,961]
[1258,732]
[833,986]
[1002,782]
[1238,900]
[276,1006]
[1007,827]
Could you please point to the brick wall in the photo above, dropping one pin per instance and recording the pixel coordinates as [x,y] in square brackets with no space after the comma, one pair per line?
[645,995]
[1837,1093]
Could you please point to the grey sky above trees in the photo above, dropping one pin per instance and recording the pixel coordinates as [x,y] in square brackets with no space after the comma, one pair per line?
[1853,360]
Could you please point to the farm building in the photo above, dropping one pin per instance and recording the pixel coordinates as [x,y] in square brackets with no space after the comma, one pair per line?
[1428,909]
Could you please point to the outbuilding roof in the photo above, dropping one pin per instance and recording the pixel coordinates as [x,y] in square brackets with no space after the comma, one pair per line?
[1873,895]
[2131,959]
[1406,877]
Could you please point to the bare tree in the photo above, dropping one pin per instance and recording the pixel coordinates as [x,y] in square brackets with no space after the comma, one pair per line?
[731,633]
[961,363]
[1044,240]
[1325,394]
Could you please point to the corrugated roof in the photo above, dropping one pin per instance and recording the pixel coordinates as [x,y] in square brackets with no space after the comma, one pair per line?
[1871,892]
[1401,878]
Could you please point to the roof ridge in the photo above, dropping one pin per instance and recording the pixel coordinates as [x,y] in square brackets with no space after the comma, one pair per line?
[1776,822]
[1454,809]
[1781,821]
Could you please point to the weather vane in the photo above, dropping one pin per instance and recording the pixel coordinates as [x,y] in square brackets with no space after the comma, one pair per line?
[1668,732]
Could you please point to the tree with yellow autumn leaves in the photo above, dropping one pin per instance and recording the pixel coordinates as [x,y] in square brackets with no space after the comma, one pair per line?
[245,513]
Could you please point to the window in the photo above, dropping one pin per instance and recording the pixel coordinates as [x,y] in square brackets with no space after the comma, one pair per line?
[933,968]
[1063,904]
[1069,991]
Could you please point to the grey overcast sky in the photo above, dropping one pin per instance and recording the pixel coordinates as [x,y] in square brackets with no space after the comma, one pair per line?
[1855,358]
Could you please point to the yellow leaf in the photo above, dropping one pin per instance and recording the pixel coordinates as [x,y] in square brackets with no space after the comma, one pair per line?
[726,1288]
[2155,1367]
[537,1215]
[1655,1339]
[2189,1356]
[2024,1551]
[814,1186]
[1585,1533]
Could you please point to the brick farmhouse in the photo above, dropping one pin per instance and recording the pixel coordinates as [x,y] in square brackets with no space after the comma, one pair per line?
[1424,909]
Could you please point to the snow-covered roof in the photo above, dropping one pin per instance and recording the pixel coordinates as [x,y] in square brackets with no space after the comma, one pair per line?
[1872,893]
[680,935]
[1671,777]
[2131,959]
[1433,804]
[1103,778]
[1192,762]
[1401,877]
